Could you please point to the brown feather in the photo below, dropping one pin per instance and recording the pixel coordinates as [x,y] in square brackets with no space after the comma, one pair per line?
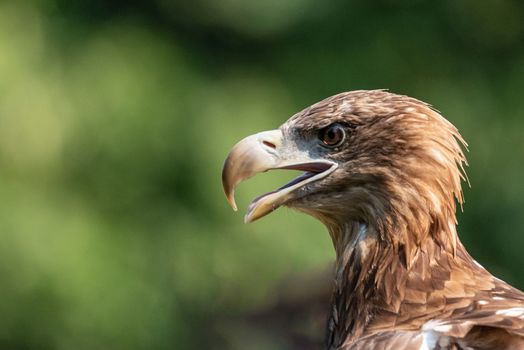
[403,280]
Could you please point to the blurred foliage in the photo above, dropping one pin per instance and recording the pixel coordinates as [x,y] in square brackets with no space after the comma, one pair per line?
[115,118]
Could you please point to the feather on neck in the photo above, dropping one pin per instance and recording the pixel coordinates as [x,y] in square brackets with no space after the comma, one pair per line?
[379,285]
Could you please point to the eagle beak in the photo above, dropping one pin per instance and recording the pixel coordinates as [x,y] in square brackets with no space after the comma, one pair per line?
[262,152]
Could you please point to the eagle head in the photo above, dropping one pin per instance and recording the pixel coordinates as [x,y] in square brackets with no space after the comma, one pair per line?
[386,160]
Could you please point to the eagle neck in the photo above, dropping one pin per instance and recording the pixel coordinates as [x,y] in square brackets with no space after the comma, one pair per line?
[375,286]
[354,282]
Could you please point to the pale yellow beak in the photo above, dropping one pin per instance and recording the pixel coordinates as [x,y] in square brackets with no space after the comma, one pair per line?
[262,152]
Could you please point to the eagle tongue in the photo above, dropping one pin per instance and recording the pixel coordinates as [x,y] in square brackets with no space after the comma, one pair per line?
[296,180]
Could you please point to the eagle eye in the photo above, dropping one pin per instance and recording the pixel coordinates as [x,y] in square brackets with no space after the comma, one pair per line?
[332,135]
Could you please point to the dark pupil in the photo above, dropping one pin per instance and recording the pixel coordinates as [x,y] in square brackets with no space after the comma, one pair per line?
[332,135]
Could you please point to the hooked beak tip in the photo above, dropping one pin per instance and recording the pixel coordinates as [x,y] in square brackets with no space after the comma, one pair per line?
[228,183]
[230,194]
[231,201]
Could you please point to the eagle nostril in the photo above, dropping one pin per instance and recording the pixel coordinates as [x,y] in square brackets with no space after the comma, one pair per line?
[269,144]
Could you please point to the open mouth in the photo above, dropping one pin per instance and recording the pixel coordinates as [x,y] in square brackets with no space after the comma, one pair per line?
[265,151]
[266,203]
[310,170]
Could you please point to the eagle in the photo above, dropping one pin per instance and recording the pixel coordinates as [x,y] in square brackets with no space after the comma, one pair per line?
[383,173]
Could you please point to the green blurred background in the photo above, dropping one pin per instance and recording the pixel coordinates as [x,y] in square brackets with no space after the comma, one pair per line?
[116,116]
